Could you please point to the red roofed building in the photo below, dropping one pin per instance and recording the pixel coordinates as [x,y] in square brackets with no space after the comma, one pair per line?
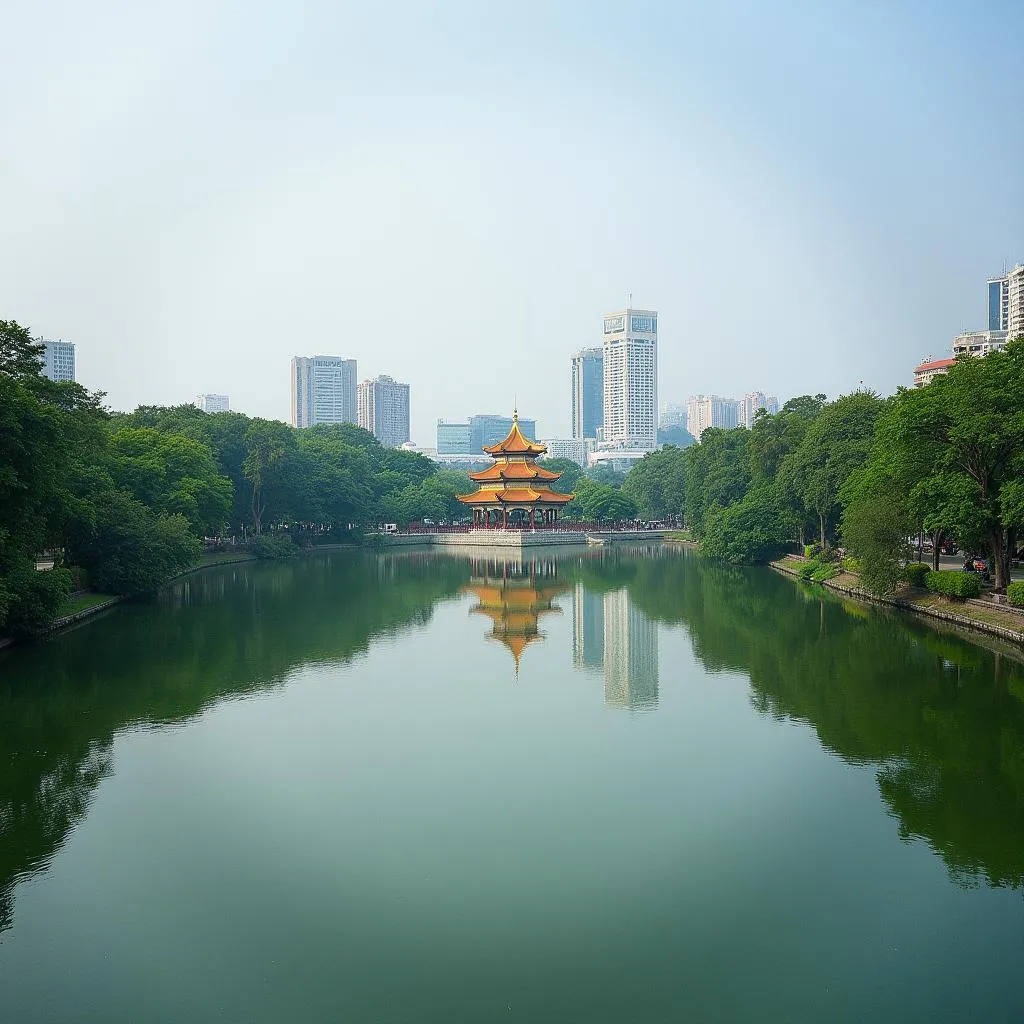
[924,373]
[515,491]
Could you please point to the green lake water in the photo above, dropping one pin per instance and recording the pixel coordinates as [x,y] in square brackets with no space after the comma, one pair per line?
[622,785]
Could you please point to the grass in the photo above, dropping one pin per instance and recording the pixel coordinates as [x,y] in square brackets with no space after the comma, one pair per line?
[80,602]
[678,535]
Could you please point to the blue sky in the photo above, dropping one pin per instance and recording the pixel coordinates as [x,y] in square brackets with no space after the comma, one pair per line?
[810,194]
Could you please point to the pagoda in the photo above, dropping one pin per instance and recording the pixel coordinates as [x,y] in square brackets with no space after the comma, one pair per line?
[515,492]
[514,598]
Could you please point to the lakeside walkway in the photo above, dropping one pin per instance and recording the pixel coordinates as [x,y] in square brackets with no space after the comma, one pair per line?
[997,620]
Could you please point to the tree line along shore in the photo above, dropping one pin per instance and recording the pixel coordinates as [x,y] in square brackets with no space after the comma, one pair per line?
[124,500]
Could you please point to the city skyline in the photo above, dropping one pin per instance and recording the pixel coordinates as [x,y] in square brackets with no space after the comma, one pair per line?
[445,209]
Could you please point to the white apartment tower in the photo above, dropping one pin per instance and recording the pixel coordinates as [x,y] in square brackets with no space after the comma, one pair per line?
[631,379]
[1015,302]
[58,359]
[705,411]
[751,402]
[323,390]
[213,403]
[383,409]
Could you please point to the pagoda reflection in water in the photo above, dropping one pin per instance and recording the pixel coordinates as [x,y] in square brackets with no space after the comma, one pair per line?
[612,635]
[514,595]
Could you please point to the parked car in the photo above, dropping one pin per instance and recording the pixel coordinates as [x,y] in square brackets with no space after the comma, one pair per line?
[949,547]
[976,564]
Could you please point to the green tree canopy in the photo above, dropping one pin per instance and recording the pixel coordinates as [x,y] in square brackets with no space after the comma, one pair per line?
[657,484]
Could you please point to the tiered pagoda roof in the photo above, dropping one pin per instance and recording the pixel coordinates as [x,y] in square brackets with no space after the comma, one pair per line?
[514,608]
[515,479]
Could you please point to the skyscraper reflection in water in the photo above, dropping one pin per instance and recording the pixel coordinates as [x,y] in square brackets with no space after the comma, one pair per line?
[611,634]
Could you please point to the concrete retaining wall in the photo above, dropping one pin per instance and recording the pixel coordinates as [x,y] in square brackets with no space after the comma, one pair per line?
[514,540]
[964,621]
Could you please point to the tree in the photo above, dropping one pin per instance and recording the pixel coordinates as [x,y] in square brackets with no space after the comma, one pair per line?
[657,484]
[967,427]
[717,472]
[266,443]
[595,502]
[752,530]
[773,438]
[129,549]
[172,473]
[835,443]
[49,433]
[571,472]
[875,525]
[606,475]
[677,436]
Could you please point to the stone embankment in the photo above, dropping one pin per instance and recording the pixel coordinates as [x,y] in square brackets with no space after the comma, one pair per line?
[515,539]
[983,616]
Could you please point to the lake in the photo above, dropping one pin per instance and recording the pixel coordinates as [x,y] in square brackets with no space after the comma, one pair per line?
[620,785]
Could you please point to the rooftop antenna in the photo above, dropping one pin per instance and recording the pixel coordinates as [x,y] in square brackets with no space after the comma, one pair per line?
[629,301]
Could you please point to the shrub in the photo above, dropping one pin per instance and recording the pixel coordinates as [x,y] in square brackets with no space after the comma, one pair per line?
[35,597]
[851,564]
[811,566]
[916,573]
[812,550]
[269,545]
[957,586]
[823,573]
[1015,594]
[750,531]
[129,549]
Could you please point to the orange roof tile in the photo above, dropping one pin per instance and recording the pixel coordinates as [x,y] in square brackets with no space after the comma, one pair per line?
[517,470]
[502,495]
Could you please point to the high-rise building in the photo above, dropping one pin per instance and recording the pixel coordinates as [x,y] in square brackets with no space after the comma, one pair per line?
[323,390]
[58,359]
[213,403]
[587,401]
[383,409]
[453,438]
[486,429]
[703,411]
[998,303]
[482,429]
[751,402]
[672,415]
[1015,302]
[631,379]
[575,449]
[978,343]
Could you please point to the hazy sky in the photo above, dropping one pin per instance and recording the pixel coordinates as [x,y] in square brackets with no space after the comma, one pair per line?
[811,194]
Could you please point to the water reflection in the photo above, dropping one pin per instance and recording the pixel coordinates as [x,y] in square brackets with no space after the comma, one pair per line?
[939,719]
[514,595]
[612,635]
